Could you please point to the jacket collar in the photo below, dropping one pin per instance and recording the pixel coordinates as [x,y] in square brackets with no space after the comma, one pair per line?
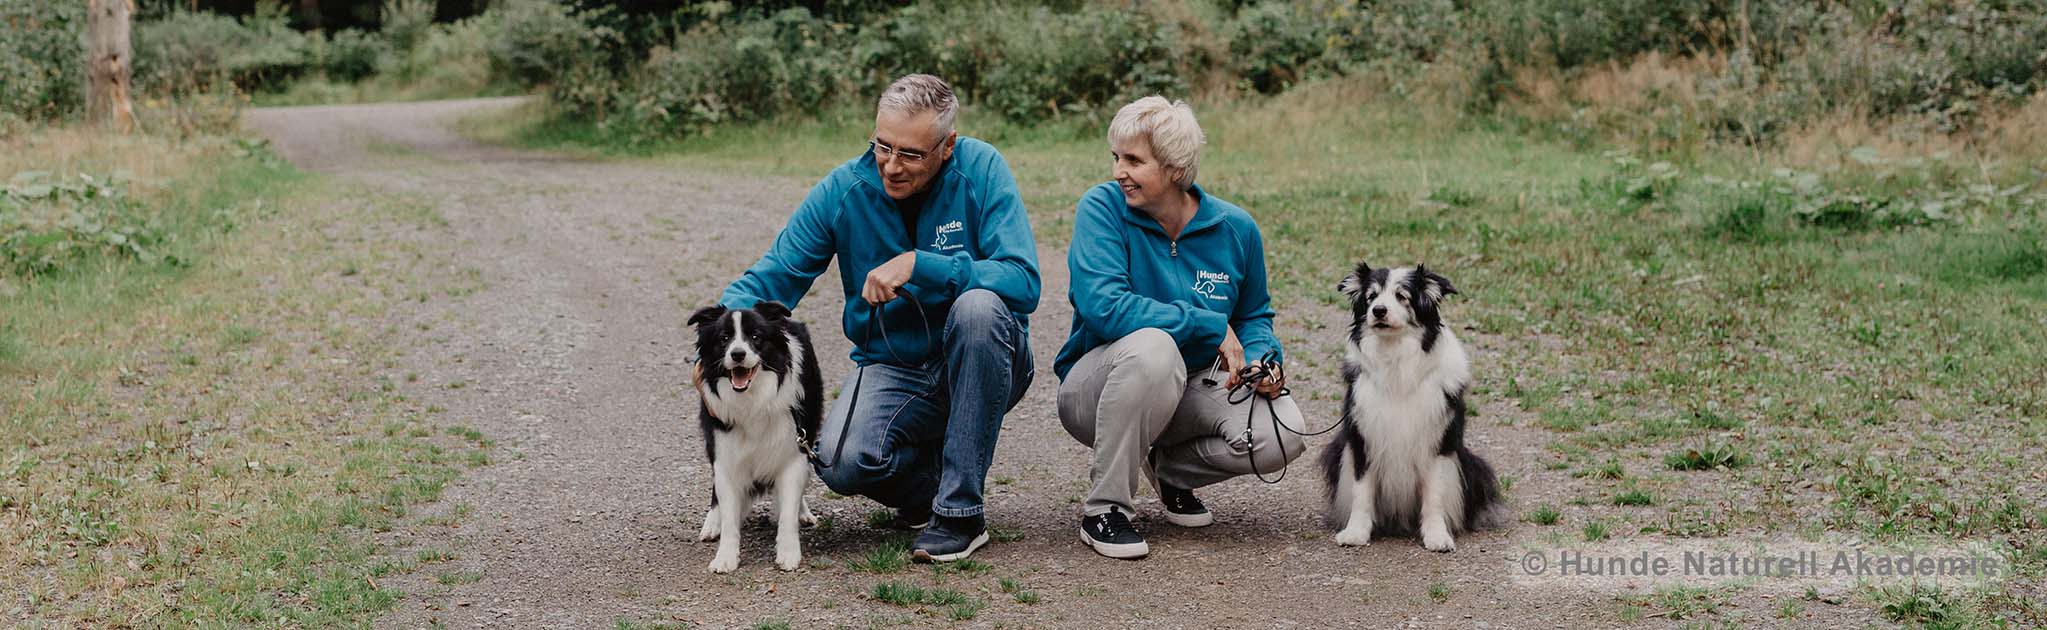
[1206,214]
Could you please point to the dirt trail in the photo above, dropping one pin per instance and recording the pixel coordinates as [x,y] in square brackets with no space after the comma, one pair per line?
[568,352]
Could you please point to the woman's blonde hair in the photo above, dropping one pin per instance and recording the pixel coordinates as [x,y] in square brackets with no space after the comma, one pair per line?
[1168,127]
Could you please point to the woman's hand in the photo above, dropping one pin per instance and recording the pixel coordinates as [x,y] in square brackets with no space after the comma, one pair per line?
[1274,381]
[1232,355]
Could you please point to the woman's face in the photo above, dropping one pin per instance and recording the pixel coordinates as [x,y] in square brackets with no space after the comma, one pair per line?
[1145,181]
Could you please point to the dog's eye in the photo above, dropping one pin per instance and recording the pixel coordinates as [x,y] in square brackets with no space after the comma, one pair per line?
[1403,298]
[1371,296]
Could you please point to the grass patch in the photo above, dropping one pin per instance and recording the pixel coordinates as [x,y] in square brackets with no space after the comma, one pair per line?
[891,556]
[1708,457]
[968,567]
[222,465]
[1016,591]
[1545,515]
[1634,498]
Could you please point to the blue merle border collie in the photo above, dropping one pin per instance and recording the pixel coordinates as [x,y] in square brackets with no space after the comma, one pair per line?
[1400,464]
[759,384]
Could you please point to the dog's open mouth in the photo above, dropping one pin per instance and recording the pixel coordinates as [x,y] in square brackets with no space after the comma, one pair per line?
[1382,325]
[742,378]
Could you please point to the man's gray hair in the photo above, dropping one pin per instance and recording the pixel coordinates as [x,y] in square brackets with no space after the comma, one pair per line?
[919,93]
[1168,127]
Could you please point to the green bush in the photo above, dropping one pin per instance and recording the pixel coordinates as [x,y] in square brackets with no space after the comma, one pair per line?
[47,225]
[42,61]
[746,70]
[194,51]
[1055,63]
[1276,44]
[405,23]
[1027,63]
[353,55]
[542,43]
[455,55]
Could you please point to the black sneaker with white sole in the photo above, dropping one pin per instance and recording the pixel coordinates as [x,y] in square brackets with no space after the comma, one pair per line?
[1110,534]
[948,539]
[1183,508]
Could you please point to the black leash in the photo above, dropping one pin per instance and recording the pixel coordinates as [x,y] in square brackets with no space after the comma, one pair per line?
[803,438]
[1246,390]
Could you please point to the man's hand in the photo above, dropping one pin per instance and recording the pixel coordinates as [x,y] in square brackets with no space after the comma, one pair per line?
[883,281]
[1232,353]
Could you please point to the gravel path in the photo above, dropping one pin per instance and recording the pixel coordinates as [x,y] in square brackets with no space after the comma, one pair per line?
[567,349]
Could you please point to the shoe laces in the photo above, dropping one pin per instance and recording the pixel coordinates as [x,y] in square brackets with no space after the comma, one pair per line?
[1179,499]
[1113,524]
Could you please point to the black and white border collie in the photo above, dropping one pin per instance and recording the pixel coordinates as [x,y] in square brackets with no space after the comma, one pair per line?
[1400,463]
[757,376]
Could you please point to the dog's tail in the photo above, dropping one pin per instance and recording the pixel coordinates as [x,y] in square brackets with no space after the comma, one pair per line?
[1483,508]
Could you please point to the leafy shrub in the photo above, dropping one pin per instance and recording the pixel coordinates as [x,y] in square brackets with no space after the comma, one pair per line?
[193,51]
[41,60]
[47,225]
[405,23]
[455,55]
[1054,63]
[1027,63]
[542,43]
[745,70]
[353,55]
[1275,44]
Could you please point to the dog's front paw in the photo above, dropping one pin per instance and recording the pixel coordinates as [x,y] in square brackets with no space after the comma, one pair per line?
[724,563]
[1438,541]
[788,560]
[708,533]
[1354,536]
[806,519]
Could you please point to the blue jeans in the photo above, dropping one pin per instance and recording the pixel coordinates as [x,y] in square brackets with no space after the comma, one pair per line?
[925,434]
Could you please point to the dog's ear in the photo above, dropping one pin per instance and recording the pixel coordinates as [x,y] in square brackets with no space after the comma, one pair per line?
[1434,283]
[771,309]
[1353,285]
[707,315]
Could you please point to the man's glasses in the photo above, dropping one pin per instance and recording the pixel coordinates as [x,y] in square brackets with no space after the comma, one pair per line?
[883,150]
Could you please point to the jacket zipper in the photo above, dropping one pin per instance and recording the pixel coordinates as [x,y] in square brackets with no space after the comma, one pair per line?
[1173,248]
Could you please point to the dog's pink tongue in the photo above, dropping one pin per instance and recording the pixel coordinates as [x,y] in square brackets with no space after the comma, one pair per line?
[743,379]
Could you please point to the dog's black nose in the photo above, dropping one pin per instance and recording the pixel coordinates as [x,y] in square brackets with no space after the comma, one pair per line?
[1379,311]
[738,355]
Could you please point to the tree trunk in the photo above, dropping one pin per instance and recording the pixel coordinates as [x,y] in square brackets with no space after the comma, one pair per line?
[107,63]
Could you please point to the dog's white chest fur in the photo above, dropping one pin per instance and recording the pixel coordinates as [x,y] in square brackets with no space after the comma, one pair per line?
[761,437]
[1400,403]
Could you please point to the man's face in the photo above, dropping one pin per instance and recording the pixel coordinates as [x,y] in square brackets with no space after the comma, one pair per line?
[911,134]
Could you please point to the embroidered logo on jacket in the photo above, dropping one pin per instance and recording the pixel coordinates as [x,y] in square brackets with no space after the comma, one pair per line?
[1205,283]
[943,240]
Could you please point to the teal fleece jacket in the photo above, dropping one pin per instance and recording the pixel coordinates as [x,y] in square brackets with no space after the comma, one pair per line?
[971,234]
[1127,276]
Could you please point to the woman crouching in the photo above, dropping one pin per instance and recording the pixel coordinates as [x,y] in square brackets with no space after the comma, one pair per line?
[1170,317]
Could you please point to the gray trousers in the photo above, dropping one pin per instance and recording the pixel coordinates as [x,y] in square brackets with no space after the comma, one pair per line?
[1134,395]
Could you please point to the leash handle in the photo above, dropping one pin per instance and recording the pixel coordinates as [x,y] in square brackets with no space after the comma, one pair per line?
[1246,391]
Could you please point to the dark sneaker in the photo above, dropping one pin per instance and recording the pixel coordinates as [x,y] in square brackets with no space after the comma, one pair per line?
[1110,534]
[911,518]
[1183,508]
[949,539]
